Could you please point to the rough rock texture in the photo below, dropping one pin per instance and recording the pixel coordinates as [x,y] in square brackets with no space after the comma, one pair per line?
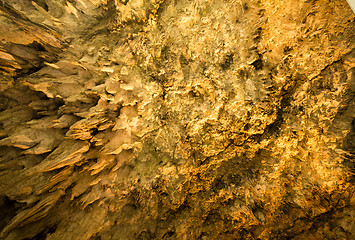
[177,119]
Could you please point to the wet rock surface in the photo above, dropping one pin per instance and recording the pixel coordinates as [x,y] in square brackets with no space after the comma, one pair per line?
[177,119]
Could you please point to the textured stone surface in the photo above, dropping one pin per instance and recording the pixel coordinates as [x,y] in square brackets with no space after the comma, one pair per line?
[151,119]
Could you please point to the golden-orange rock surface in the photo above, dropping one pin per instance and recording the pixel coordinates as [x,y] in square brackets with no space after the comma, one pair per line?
[177,119]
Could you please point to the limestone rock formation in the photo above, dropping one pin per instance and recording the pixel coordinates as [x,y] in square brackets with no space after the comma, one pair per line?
[166,119]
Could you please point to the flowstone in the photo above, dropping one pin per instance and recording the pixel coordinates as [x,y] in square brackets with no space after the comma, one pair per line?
[165,119]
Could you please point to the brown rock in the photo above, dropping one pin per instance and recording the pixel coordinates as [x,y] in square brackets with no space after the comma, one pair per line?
[176,119]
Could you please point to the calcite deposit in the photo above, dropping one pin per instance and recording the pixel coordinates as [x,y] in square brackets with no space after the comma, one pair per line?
[177,119]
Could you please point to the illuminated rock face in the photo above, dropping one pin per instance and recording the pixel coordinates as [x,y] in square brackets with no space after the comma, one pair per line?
[203,119]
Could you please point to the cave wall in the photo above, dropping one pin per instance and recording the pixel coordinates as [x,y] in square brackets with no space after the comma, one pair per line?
[153,119]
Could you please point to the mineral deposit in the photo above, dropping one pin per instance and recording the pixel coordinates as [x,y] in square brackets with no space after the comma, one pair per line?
[177,119]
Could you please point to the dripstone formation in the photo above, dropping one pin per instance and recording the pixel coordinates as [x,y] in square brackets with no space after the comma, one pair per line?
[177,119]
